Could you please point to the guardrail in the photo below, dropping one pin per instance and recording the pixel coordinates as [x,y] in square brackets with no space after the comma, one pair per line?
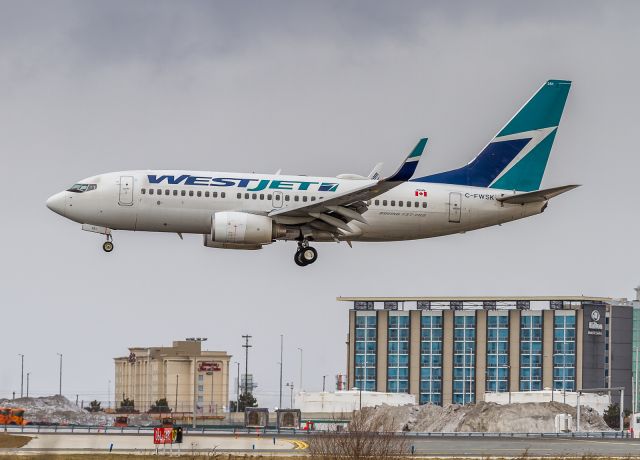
[136,430]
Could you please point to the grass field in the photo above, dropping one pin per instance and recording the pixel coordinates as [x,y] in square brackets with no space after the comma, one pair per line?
[12,441]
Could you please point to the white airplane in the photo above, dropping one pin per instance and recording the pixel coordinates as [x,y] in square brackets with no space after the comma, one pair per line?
[248,211]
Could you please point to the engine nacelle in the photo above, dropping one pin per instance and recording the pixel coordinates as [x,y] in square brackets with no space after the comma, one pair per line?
[231,228]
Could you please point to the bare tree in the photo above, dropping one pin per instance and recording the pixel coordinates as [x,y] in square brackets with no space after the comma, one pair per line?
[366,436]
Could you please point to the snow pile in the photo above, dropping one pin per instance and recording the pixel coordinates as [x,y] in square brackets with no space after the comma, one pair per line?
[58,410]
[486,417]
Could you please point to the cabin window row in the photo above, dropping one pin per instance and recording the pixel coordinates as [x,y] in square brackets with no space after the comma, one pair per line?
[168,192]
[401,204]
[207,194]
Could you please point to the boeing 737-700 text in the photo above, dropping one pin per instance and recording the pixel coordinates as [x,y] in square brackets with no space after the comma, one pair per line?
[248,211]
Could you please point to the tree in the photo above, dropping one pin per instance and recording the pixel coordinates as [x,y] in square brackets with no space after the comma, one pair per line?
[160,406]
[94,406]
[366,437]
[247,400]
[127,406]
[612,416]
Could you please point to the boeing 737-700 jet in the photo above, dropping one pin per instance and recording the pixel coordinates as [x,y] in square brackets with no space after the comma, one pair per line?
[248,211]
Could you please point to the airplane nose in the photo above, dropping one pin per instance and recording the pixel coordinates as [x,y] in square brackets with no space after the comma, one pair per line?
[57,203]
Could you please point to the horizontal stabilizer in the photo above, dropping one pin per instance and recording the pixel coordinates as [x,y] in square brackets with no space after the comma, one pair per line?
[538,195]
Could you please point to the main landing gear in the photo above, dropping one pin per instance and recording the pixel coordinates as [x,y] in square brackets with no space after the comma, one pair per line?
[305,255]
[108,245]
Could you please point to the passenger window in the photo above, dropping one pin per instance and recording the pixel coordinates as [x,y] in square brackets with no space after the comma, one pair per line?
[424,204]
[393,202]
[167,192]
[206,194]
[262,196]
[408,204]
[400,204]
[199,193]
[159,192]
[239,195]
[384,202]
[183,193]
[142,191]
[150,191]
[175,193]
[416,204]
[313,198]
[190,192]
[304,198]
[246,196]
[214,194]
[377,202]
[222,195]
[269,197]
[296,198]
[254,196]
[286,198]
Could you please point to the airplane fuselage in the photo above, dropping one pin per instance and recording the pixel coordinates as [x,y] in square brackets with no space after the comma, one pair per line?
[185,201]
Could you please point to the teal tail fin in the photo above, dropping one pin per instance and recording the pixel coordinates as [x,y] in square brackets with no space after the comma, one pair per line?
[517,156]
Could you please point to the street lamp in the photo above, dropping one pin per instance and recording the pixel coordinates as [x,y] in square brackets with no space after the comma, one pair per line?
[290,385]
[300,368]
[21,374]
[60,386]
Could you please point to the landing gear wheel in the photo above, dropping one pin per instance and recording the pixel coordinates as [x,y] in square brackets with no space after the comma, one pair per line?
[298,260]
[308,255]
[107,246]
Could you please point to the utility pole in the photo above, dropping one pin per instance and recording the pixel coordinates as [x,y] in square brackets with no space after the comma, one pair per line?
[176,406]
[281,352]
[300,368]
[21,374]
[324,379]
[60,386]
[246,347]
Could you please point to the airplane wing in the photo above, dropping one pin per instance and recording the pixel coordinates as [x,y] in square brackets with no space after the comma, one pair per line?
[351,204]
[538,195]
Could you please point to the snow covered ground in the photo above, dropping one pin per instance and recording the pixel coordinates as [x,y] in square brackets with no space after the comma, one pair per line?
[486,417]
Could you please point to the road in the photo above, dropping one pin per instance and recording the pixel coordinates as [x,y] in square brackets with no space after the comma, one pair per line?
[516,447]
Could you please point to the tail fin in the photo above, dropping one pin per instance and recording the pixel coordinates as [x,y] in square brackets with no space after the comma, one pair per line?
[517,156]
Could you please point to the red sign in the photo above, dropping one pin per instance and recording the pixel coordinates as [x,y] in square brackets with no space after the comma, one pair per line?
[421,192]
[208,366]
[163,435]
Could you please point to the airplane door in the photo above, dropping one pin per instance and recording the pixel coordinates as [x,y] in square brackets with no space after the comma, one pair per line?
[126,191]
[277,199]
[455,205]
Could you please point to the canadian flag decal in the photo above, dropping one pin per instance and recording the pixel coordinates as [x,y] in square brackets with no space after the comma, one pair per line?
[421,192]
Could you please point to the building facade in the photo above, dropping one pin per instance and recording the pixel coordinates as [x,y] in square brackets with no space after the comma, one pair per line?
[454,349]
[183,374]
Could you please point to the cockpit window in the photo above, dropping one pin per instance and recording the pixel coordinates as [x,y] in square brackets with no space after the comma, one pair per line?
[79,188]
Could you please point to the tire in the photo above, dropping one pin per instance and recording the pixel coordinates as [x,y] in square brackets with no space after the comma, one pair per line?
[308,255]
[107,246]
[298,259]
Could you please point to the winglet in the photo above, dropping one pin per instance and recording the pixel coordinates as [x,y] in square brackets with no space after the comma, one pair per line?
[406,170]
[375,172]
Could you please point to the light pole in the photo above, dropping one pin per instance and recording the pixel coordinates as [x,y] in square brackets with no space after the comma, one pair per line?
[238,388]
[300,386]
[60,384]
[21,374]
[290,385]
[281,353]
[28,373]
[324,379]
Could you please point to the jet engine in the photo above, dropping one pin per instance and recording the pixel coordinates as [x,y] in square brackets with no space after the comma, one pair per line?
[240,230]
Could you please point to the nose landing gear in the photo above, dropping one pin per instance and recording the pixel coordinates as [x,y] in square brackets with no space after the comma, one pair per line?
[108,245]
[305,255]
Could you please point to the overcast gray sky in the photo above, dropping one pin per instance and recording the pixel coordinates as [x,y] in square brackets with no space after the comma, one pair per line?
[317,88]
